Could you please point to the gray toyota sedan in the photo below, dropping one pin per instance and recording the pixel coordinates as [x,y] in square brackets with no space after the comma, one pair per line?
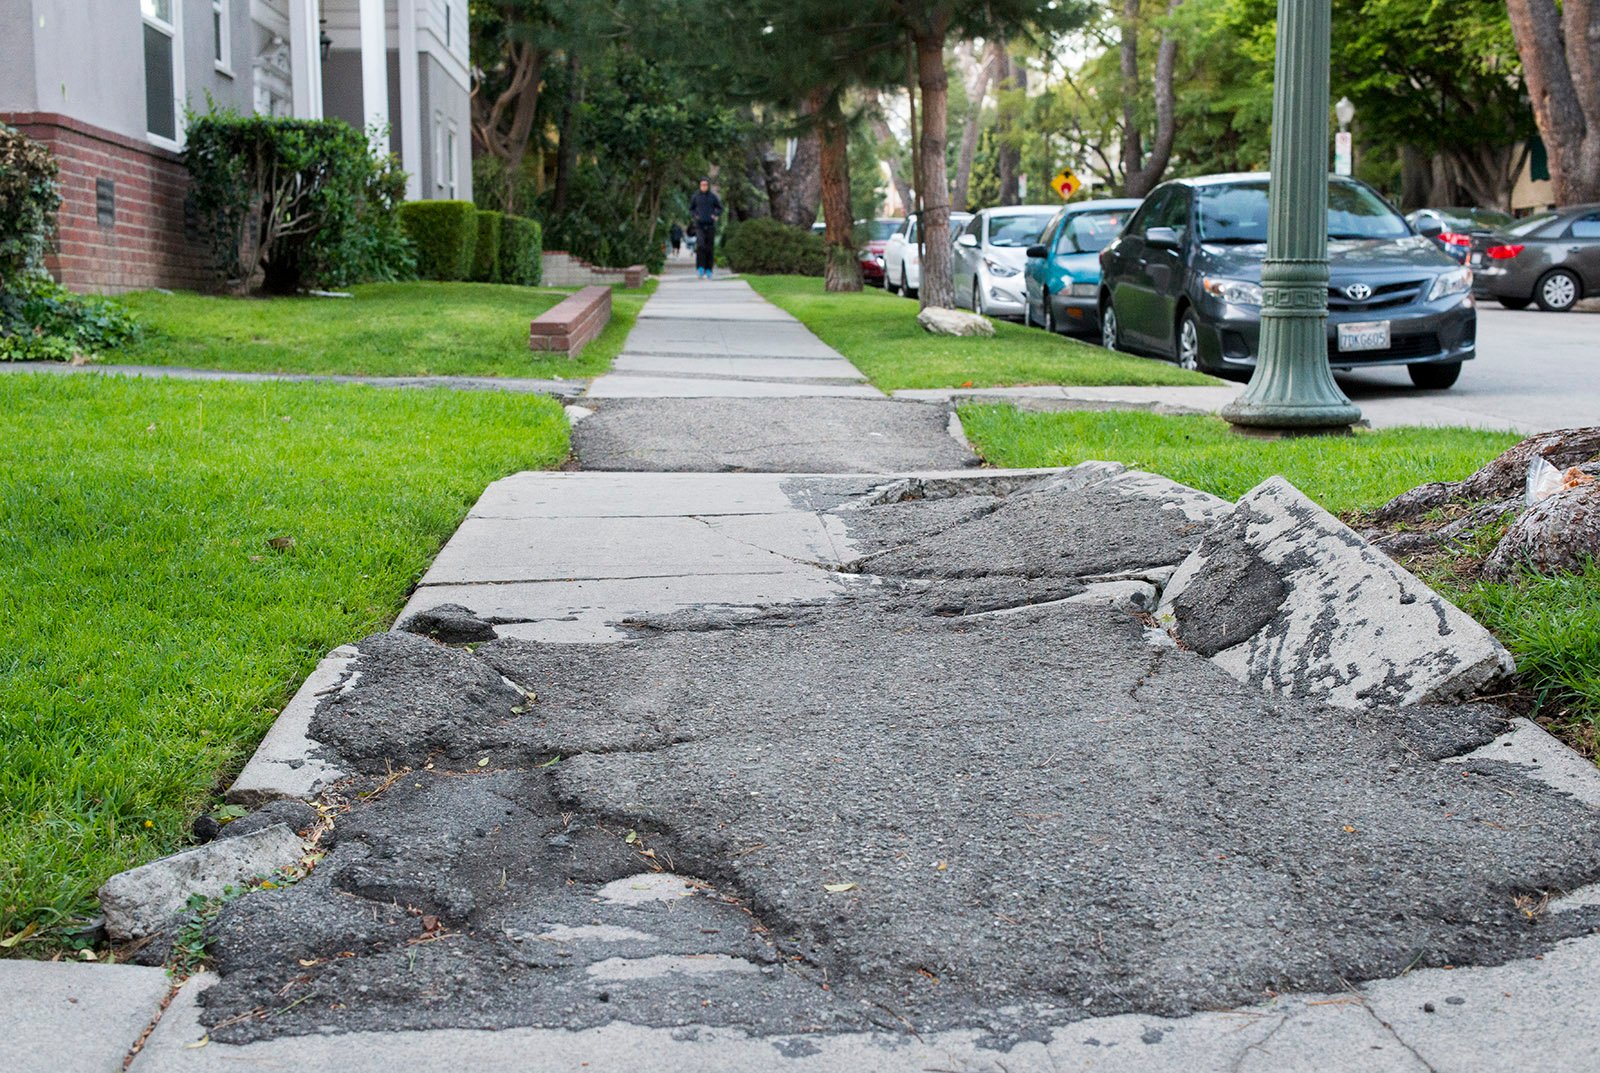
[1183,281]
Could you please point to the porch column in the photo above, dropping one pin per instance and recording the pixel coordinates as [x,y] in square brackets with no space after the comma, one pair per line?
[410,99]
[374,74]
[305,58]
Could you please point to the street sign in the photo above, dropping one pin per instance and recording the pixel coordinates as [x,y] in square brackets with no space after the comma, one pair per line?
[1066,184]
[1343,153]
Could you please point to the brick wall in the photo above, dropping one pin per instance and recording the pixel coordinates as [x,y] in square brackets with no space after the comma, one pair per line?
[146,244]
[561,269]
[570,325]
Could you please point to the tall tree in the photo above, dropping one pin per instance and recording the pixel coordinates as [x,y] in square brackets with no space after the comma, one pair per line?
[1013,97]
[510,43]
[983,73]
[1560,48]
[1142,172]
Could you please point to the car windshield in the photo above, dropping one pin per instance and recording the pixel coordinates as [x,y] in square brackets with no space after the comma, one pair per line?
[1016,230]
[1236,213]
[1532,224]
[1091,232]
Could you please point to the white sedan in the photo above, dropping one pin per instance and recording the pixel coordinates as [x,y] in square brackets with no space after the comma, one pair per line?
[902,261]
[990,254]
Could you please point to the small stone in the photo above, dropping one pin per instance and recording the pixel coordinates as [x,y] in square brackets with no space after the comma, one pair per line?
[449,623]
[953,322]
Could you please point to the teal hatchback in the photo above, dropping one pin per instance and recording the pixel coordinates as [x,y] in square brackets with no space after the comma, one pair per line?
[1062,277]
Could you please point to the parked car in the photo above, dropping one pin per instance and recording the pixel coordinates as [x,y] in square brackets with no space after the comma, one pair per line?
[902,254]
[990,252]
[1183,281]
[876,234]
[1062,277]
[1454,229]
[1552,258]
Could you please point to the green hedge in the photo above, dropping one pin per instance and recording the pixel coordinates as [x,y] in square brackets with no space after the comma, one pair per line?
[521,244]
[486,255]
[445,234]
[770,247]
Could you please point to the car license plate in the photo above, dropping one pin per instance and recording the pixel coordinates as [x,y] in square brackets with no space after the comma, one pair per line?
[1477,259]
[1364,335]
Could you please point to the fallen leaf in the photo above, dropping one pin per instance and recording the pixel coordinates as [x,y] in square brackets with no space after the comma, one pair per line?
[838,888]
[1349,830]
[484,762]
[943,866]
[280,543]
[197,1044]
[633,836]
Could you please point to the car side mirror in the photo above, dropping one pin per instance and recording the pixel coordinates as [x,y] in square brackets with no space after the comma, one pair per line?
[969,240]
[1164,238]
[1036,251]
[1430,228]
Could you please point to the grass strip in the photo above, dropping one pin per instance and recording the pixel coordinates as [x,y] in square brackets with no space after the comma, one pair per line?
[174,559]
[385,329]
[880,334]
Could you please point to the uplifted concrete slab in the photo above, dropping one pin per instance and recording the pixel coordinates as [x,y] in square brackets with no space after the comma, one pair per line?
[287,763]
[66,1017]
[1284,595]
[737,368]
[812,435]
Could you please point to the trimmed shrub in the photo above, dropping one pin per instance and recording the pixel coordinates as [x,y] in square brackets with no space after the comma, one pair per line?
[521,244]
[770,247]
[29,198]
[40,320]
[445,234]
[486,255]
[293,202]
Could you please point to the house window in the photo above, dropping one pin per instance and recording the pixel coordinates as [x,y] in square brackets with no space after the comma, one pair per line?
[219,35]
[450,161]
[163,77]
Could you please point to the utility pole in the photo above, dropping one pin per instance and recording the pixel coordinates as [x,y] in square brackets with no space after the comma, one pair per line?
[1292,388]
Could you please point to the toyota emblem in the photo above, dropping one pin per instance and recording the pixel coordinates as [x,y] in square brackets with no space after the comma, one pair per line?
[1358,292]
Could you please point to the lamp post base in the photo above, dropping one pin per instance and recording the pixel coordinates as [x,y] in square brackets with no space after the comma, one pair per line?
[1266,415]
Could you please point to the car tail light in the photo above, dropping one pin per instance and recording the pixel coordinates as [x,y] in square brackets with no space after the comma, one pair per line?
[1455,238]
[1504,253]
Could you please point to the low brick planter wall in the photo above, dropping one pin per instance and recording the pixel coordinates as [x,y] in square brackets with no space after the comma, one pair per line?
[572,323]
[561,269]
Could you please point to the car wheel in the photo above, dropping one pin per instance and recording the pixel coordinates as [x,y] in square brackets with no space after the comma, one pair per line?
[1050,315]
[1189,341]
[892,288]
[1515,303]
[977,297]
[1108,328]
[906,288]
[1558,291]
[1435,375]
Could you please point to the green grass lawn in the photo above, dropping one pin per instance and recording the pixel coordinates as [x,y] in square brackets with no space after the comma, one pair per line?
[149,633]
[1551,625]
[880,334]
[386,329]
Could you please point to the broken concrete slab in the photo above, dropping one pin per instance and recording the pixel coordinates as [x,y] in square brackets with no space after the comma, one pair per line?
[812,435]
[447,623]
[287,763]
[1285,596]
[652,495]
[1530,747]
[66,1017]
[1123,595]
[145,900]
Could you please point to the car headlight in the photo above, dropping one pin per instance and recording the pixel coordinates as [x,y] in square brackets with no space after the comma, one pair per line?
[1458,281]
[1085,290]
[1000,269]
[1233,291]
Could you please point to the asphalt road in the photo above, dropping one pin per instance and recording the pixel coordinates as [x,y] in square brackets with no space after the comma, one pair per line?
[1534,371]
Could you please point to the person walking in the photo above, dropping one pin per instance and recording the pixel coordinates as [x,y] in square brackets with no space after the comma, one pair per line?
[705,208]
[676,235]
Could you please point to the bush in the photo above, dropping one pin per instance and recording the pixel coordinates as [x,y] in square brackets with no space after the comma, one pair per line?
[770,247]
[29,198]
[293,202]
[445,234]
[40,320]
[521,244]
[486,254]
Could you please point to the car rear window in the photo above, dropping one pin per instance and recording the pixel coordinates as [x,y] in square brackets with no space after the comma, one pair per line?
[882,229]
[1532,224]
[1016,230]
[1237,213]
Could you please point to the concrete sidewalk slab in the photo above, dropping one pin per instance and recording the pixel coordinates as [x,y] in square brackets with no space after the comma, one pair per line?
[66,1017]
[613,386]
[786,368]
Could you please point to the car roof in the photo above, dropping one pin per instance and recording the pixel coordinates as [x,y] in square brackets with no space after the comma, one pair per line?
[1019,210]
[1201,181]
[1102,204]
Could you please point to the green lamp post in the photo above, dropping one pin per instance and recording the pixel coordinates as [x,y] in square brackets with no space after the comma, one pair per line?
[1292,388]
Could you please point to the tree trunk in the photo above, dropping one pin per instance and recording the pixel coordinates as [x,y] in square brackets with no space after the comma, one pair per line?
[843,271]
[567,152]
[1141,174]
[937,286]
[508,142]
[1560,51]
[1016,77]
[969,130]
[885,136]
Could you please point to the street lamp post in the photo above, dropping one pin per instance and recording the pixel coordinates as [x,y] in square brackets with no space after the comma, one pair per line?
[1292,388]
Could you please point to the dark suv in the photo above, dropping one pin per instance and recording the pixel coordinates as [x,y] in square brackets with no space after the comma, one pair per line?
[1183,281]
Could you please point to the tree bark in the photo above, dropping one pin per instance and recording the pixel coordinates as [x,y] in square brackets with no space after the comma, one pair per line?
[567,151]
[992,57]
[843,270]
[1560,50]
[937,286]
[1141,173]
[1016,77]
[794,190]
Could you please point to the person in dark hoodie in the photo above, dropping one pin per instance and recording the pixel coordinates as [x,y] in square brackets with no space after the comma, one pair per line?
[705,209]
